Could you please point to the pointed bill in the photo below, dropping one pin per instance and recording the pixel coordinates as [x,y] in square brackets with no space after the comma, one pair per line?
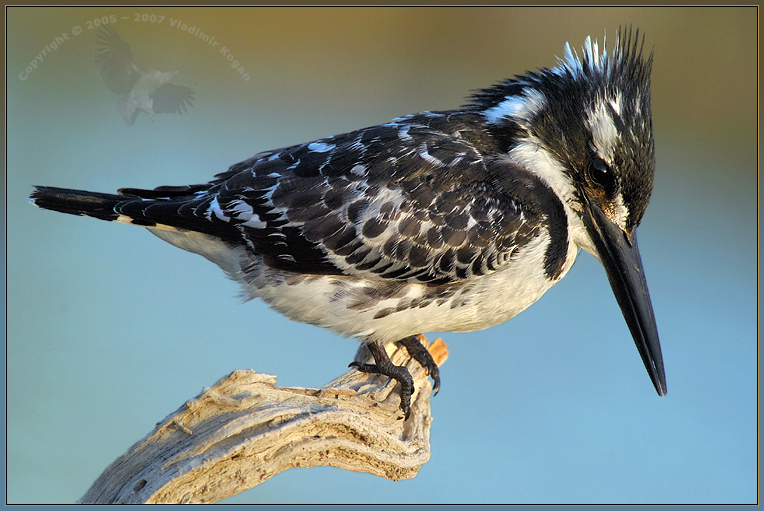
[619,254]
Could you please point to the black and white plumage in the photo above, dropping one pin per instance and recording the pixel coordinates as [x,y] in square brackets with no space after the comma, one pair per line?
[139,89]
[438,221]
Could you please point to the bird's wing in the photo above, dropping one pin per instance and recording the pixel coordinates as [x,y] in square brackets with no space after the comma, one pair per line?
[401,201]
[172,98]
[119,67]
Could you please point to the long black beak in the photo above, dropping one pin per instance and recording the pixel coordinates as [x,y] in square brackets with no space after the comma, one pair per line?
[619,254]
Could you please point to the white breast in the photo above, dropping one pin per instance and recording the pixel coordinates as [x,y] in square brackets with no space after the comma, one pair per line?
[386,311]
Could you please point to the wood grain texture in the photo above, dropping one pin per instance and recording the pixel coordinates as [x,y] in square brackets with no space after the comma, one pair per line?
[245,429]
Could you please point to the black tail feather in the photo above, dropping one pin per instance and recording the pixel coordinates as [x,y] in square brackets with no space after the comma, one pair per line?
[77,202]
[174,207]
[164,192]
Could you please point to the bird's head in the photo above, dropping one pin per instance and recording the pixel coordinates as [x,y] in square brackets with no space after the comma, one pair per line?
[585,128]
[164,78]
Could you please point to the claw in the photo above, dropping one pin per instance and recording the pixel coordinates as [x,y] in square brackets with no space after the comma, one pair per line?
[385,366]
[419,353]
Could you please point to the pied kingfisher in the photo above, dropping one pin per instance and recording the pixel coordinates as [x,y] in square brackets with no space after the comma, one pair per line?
[437,221]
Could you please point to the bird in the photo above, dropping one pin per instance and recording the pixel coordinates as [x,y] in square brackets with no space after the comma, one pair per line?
[139,89]
[451,220]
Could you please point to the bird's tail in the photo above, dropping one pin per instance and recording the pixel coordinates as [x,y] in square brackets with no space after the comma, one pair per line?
[79,202]
[173,208]
[126,106]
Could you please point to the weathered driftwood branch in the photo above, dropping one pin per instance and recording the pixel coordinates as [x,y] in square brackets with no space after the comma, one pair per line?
[244,429]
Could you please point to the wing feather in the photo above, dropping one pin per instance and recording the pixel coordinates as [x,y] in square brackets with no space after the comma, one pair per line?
[404,201]
[426,198]
[119,67]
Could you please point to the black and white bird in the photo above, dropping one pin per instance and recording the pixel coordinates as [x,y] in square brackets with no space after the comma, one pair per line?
[438,221]
[139,89]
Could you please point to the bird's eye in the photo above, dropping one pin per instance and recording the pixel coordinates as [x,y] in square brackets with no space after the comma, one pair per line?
[601,174]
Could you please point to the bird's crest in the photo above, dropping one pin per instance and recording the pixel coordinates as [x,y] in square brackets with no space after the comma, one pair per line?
[625,58]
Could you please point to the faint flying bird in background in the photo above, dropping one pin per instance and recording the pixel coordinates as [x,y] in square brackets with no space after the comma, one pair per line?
[139,89]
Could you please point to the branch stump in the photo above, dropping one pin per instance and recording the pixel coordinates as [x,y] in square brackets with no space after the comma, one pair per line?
[245,429]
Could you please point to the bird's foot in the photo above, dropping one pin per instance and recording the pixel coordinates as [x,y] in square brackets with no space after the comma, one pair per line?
[422,355]
[386,367]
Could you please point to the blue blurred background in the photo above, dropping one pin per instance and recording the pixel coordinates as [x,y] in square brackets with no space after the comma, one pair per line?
[109,329]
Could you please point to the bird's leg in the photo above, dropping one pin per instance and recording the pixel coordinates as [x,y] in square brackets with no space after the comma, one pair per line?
[419,353]
[386,367]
